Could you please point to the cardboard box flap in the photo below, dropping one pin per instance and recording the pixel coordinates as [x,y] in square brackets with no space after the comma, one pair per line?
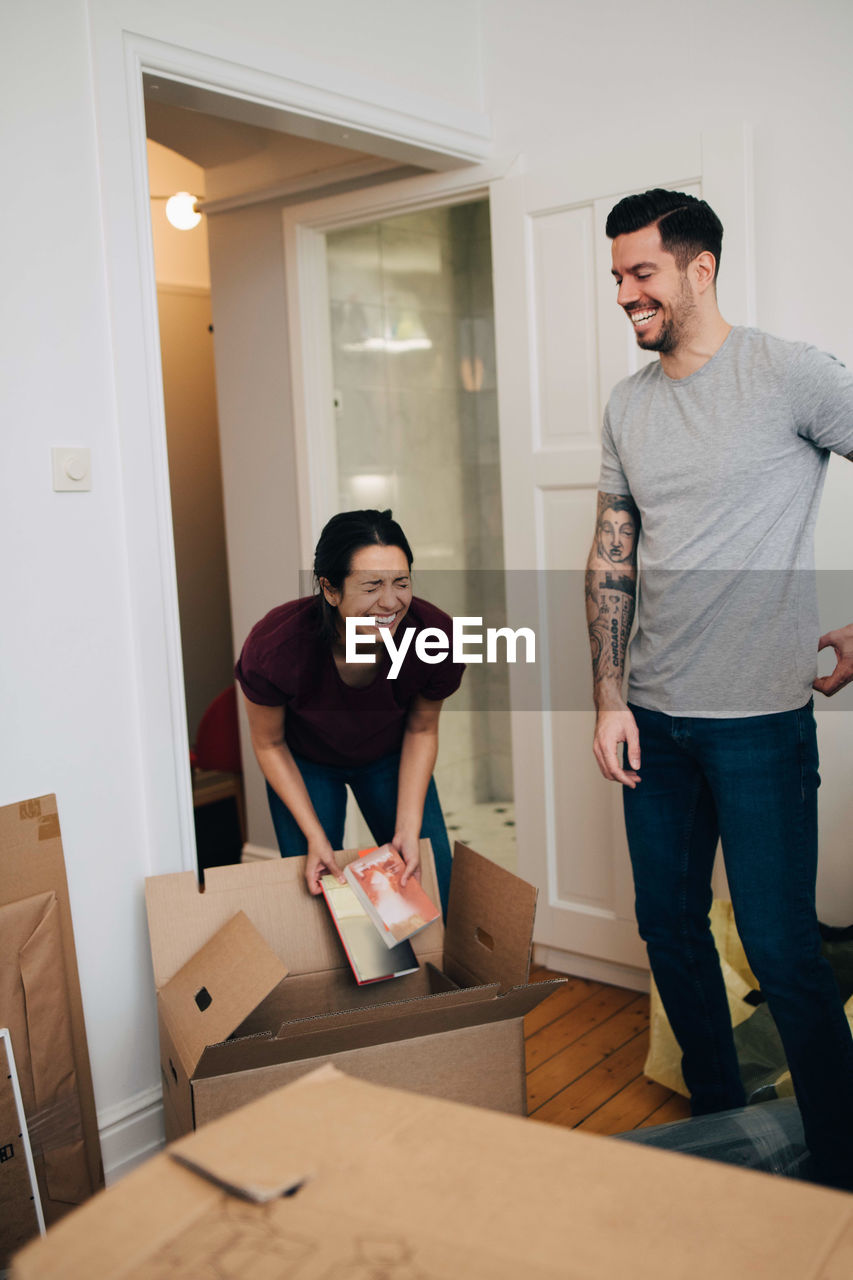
[219,986]
[388,1025]
[274,896]
[518,1001]
[490,915]
[385,1012]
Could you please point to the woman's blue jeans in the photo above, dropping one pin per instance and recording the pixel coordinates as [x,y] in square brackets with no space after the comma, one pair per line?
[753,783]
[374,786]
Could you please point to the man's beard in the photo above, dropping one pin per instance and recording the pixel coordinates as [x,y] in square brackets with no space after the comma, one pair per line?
[672,330]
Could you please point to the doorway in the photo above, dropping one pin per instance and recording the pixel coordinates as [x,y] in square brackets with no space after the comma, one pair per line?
[439,263]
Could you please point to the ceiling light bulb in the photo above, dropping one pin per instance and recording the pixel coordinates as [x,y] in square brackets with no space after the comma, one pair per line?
[181,211]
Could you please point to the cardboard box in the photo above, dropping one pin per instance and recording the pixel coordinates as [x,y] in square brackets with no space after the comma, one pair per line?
[40,1005]
[256,955]
[333,1177]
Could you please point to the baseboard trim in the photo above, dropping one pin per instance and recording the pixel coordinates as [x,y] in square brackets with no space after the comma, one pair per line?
[615,975]
[130,1132]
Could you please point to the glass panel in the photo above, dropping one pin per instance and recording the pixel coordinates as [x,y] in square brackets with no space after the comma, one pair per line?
[417,430]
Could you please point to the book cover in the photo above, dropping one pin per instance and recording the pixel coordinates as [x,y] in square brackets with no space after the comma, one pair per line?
[398,911]
[370,960]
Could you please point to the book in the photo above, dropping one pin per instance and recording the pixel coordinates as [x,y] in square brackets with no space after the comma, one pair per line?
[398,911]
[369,959]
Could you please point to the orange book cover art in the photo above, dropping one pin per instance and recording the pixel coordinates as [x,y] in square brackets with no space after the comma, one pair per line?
[401,910]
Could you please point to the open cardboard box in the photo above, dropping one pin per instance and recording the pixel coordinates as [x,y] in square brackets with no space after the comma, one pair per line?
[254,989]
[335,1177]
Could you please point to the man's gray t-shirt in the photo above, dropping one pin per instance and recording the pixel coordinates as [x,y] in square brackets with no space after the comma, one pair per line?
[726,467]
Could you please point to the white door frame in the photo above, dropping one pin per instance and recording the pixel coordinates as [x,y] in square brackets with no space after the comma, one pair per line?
[305,230]
[404,126]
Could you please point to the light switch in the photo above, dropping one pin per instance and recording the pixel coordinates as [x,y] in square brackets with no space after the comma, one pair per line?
[72,470]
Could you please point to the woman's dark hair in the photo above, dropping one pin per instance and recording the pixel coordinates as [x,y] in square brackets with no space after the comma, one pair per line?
[345,534]
[687,226]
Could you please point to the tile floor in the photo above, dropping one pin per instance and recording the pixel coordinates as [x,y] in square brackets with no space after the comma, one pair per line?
[489,828]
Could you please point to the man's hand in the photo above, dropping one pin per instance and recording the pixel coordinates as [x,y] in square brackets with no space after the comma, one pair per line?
[321,861]
[842,642]
[612,728]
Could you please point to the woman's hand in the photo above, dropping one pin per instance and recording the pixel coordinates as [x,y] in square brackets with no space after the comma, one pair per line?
[320,861]
[409,849]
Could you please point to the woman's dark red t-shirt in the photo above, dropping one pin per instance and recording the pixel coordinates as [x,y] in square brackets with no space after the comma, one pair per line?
[286,663]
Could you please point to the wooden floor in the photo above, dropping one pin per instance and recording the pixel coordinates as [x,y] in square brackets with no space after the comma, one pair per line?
[586,1045]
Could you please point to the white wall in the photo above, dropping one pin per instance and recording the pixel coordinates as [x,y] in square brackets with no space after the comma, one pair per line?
[83,630]
[70,708]
[618,71]
[83,711]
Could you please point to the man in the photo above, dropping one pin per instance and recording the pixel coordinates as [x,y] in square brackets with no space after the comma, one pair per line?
[717,453]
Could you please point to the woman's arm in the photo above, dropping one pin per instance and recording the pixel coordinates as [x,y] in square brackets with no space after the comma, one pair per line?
[266,726]
[417,761]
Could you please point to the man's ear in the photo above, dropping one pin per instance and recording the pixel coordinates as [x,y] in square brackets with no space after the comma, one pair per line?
[333,596]
[704,270]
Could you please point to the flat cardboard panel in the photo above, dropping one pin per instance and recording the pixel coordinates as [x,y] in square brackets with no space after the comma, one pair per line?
[273,894]
[471,1193]
[489,922]
[40,1003]
[219,986]
[480,1066]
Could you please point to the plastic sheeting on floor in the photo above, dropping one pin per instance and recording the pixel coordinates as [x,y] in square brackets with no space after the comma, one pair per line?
[767,1137]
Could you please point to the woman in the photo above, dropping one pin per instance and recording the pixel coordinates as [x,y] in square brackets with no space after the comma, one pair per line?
[319,722]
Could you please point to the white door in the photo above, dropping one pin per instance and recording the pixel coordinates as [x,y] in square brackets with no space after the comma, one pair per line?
[562,343]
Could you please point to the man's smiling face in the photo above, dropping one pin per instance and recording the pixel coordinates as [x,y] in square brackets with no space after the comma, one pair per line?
[655,294]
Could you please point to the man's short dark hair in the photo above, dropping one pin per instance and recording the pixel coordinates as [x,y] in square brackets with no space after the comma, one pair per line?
[687,226]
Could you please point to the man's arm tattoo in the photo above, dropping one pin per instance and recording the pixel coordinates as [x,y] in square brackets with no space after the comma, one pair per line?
[611,586]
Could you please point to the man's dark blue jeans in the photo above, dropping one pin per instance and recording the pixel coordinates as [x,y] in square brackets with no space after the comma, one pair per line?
[374,786]
[753,783]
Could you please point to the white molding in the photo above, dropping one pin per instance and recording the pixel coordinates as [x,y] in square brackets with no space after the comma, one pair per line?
[569,962]
[130,1132]
[326,102]
[305,228]
[309,186]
